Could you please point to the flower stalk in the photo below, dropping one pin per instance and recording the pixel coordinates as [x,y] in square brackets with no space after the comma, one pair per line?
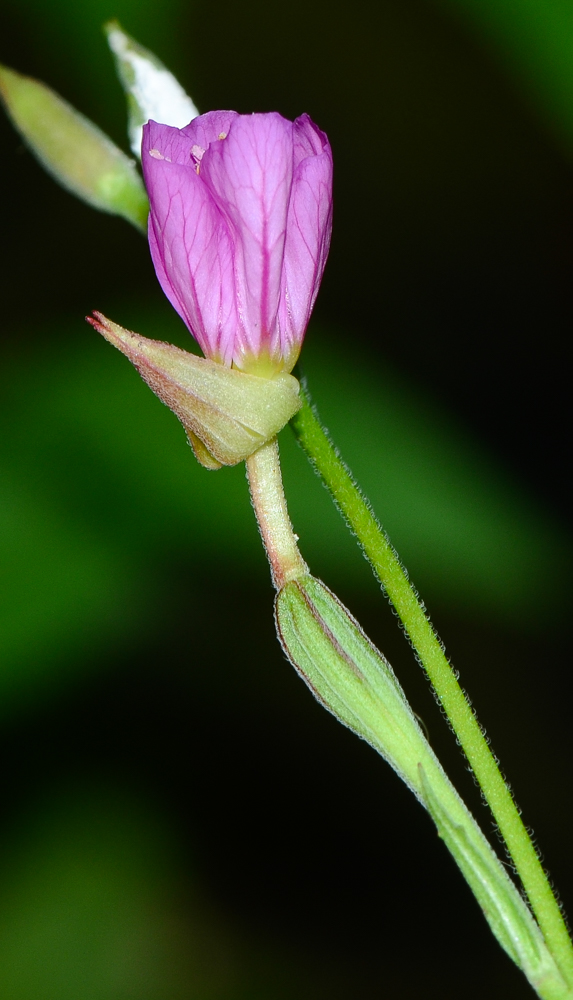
[430,652]
[269,503]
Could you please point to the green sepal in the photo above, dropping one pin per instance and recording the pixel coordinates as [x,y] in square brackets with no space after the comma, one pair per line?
[73,150]
[226,413]
[151,90]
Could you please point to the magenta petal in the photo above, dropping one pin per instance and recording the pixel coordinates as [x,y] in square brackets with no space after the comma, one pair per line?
[250,175]
[165,143]
[308,240]
[308,139]
[208,128]
[239,229]
[192,253]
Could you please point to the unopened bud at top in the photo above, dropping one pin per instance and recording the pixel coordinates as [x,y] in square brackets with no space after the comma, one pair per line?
[239,230]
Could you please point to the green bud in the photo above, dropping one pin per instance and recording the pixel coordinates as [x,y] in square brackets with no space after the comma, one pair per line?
[151,90]
[226,413]
[352,679]
[74,150]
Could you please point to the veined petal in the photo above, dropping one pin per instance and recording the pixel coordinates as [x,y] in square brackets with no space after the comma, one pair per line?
[309,227]
[166,142]
[308,139]
[250,176]
[209,128]
[190,243]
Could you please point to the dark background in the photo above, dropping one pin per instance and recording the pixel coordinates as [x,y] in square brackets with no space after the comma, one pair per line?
[180,819]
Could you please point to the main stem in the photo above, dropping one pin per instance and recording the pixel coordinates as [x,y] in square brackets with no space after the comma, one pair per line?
[267,495]
[429,649]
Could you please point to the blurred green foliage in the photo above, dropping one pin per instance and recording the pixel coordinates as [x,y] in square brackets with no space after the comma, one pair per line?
[84,906]
[98,903]
[534,38]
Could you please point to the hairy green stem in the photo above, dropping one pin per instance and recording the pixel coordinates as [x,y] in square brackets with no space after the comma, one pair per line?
[394,579]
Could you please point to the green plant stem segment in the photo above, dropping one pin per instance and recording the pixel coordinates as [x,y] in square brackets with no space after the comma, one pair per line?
[394,579]
[267,495]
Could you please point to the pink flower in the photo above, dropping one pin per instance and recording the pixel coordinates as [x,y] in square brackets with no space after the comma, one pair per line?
[239,230]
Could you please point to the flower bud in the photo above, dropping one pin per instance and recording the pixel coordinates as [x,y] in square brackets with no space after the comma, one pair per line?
[239,230]
[152,91]
[227,414]
[357,685]
[348,675]
[74,150]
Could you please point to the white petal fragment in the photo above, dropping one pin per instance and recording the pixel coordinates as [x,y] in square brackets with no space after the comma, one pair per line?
[153,92]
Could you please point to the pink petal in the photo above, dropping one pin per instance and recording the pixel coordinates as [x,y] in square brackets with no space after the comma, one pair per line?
[308,139]
[250,174]
[191,249]
[307,243]
[208,128]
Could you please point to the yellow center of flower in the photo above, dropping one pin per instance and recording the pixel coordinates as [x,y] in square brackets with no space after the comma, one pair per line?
[267,365]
